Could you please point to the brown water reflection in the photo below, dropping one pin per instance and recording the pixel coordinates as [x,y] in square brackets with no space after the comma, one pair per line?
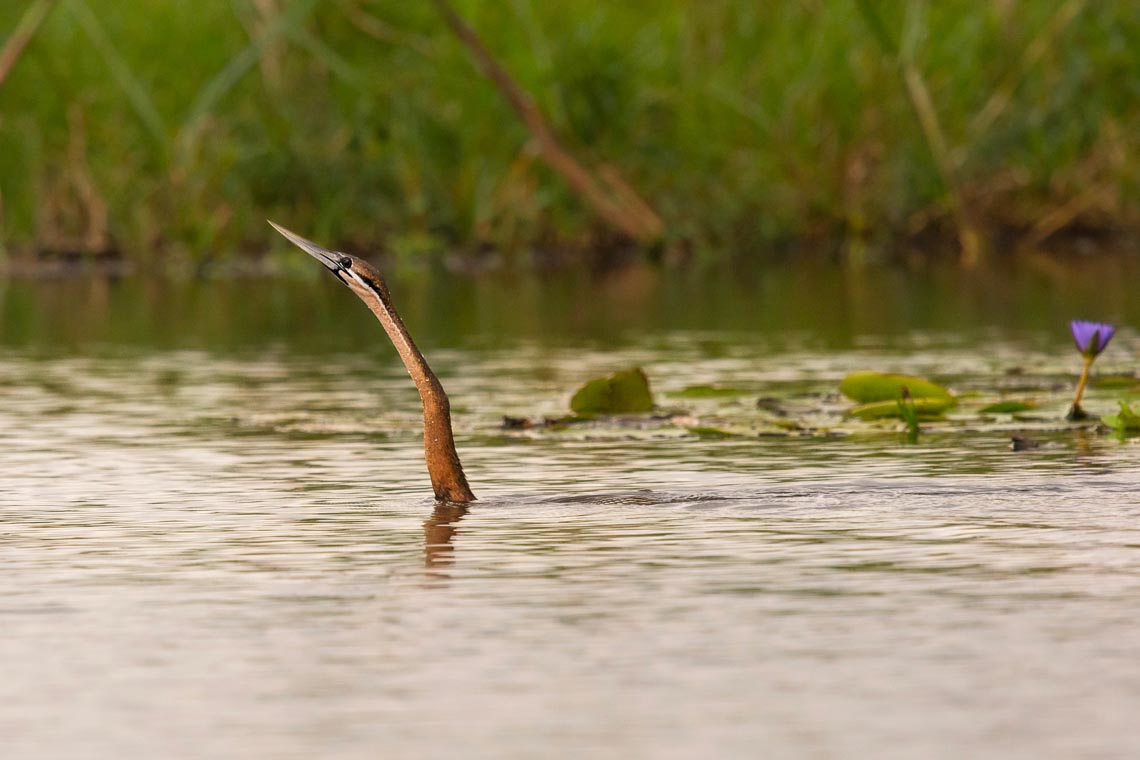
[439,533]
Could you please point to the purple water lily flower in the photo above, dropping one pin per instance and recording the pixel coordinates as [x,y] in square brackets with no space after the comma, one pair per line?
[1091,337]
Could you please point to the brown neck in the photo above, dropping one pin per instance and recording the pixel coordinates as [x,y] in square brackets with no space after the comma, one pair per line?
[447,478]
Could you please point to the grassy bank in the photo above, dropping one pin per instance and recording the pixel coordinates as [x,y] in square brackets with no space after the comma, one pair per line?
[178,128]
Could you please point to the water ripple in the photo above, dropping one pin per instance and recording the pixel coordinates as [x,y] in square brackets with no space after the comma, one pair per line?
[210,556]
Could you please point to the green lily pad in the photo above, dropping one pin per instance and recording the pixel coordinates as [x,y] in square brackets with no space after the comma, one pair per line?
[1125,419]
[1007,407]
[1108,382]
[869,387]
[708,391]
[708,432]
[925,407]
[620,393]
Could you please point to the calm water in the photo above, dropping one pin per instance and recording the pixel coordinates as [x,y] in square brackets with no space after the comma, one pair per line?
[218,539]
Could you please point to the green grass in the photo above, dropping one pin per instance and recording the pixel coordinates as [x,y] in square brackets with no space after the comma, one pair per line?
[180,127]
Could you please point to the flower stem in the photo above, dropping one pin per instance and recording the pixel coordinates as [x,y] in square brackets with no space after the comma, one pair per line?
[1075,412]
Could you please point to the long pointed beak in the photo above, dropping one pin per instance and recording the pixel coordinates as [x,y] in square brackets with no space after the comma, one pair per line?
[330,259]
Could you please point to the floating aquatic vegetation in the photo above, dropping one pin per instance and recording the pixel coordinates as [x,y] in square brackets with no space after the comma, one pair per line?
[879,396]
[708,432]
[621,393]
[1091,339]
[868,387]
[909,413]
[924,408]
[1126,420]
[620,406]
[1007,407]
[1115,382]
[708,391]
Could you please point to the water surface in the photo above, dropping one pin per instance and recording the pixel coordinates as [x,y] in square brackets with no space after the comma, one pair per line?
[219,539]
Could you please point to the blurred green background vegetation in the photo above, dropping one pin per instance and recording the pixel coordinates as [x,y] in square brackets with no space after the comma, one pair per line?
[168,129]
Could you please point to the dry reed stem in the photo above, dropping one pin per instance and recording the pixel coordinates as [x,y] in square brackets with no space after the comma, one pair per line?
[968,237]
[1003,94]
[620,207]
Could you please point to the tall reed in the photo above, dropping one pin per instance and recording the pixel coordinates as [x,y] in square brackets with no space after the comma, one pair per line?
[745,125]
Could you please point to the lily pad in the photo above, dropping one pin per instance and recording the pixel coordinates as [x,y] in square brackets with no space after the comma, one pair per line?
[925,407]
[869,387]
[1125,419]
[708,432]
[708,391]
[1109,382]
[620,393]
[1007,407]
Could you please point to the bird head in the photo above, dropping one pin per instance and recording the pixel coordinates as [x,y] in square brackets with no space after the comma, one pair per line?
[361,277]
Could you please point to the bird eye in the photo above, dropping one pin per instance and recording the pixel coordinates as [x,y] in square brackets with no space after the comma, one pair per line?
[346,262]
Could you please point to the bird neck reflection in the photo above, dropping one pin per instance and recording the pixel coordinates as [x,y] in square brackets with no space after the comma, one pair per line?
[439,531]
